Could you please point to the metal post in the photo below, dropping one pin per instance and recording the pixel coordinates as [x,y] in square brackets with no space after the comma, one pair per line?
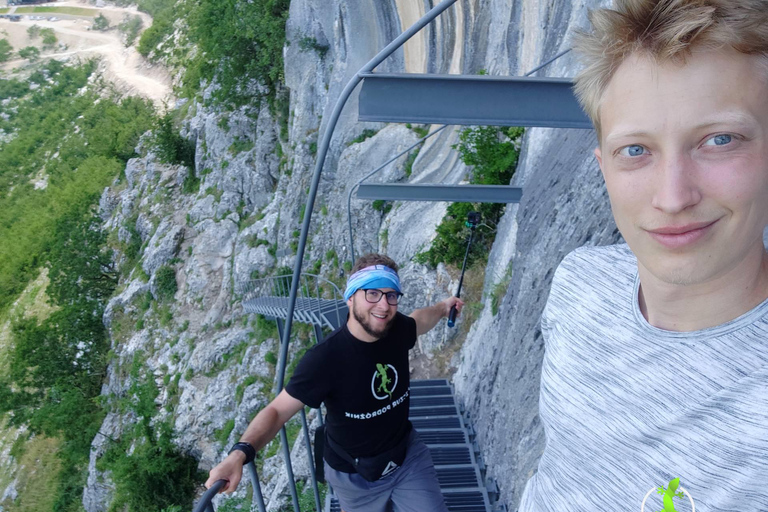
[311,458]
[258,498]
[286,449]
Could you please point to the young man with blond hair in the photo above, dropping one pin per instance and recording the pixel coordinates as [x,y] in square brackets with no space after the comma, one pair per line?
[373,457]
[656,351]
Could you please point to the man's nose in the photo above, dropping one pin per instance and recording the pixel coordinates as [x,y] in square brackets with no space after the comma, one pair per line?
[676,184]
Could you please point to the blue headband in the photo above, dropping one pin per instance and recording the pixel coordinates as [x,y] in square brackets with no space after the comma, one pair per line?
[376,276]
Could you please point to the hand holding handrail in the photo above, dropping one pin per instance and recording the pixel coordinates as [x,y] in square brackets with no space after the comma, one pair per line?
[205,502]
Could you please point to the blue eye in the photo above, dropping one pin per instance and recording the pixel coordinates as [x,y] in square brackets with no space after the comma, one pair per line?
[719,140]
[633,150]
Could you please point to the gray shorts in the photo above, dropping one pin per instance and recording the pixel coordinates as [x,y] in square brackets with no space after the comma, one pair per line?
[412,488]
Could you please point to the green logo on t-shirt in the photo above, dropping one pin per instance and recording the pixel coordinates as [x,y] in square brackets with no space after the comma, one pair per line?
[669,494]
[384,381]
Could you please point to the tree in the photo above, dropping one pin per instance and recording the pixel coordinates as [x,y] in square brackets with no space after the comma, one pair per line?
[49,37]
[100,22]
[33,31]
[30,53]
[5,50]
[170,146]
[130,27]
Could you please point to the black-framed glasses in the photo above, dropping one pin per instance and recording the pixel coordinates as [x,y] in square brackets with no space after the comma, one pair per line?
[373,296]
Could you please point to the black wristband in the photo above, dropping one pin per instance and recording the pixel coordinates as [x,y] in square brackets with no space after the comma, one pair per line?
[247,449]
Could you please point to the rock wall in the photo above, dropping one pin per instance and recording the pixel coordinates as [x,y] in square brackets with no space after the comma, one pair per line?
[242,221]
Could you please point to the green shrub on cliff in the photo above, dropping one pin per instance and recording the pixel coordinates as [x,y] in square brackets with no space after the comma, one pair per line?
[492,153]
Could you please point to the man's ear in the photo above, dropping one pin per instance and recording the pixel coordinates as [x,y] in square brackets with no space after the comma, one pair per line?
[599,156]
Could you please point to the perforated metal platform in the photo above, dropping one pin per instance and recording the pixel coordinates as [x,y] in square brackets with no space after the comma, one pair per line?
[438,419]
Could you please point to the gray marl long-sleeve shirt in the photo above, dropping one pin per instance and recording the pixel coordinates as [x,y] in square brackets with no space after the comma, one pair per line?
[626,406]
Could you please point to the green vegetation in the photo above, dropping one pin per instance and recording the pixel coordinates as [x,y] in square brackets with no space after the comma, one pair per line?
[13,88]
[49,37]
[86,162]
[6,50]
[367,134]
[79,139]
[170,146]
[100,22]
[33,31]
[31,53]
[408,168]
[74,11]
[240,145]
[56,366]
[500,289]
[222,434]
[164,13]
[421,131]
[492,152]
[165,282]
[238,43]
[307,43]
[382,206]
[130,28]
[149,471]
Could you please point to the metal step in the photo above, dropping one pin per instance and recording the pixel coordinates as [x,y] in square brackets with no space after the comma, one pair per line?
[440,192]
[443,455]
[431,401]
[430,390]
[441,422]
[443,436]
[421,383]
[458,476]
[435,410]
[470,100]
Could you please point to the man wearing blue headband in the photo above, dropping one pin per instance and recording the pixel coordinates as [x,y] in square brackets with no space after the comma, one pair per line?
[361,373]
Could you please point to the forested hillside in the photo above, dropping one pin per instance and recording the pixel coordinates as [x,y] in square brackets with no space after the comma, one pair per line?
[65,135]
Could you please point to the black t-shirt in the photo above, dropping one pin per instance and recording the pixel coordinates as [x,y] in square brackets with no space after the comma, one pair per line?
[365,388]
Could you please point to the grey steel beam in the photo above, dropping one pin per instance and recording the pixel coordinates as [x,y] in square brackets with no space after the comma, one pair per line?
[470,100]
[434,192]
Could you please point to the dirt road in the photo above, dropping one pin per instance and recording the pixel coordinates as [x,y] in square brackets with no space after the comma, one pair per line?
[125,67]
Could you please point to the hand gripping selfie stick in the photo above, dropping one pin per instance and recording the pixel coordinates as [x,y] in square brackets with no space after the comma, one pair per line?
[473,219]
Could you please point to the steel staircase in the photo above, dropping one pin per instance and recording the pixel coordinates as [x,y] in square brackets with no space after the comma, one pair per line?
[442,426]
[320,302]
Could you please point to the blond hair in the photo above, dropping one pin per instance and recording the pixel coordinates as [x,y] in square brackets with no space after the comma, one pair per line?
[666,31]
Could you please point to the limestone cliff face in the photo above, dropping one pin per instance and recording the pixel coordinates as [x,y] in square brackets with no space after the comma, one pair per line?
[242,220]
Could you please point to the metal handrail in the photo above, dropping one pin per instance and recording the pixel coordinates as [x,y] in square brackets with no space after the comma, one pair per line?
[314,290]
[206,501]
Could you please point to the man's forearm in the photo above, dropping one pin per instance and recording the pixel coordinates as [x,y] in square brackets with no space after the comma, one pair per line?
[427,318]
[262,429]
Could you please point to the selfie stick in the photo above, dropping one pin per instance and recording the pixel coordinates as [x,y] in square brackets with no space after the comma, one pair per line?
[472,222]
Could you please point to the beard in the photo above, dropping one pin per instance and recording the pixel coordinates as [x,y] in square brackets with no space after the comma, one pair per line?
[367,327]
